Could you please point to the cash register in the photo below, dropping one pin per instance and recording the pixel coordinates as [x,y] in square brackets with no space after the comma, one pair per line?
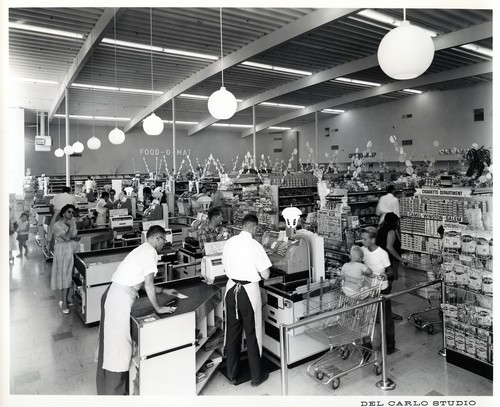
[121,222]
[212,268]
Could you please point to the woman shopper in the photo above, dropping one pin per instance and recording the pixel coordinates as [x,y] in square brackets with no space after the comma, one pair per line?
[66,244]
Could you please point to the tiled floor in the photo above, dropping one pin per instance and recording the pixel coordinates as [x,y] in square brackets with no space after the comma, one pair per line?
[53,354]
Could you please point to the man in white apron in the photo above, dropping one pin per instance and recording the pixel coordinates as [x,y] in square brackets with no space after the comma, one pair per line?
[115,343]
[245,263]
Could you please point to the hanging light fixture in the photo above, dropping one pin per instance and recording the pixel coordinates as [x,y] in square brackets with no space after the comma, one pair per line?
[152,125]
[406,51]
[77,146]
[222,103]
[59,152]
[116,136]
[93,143]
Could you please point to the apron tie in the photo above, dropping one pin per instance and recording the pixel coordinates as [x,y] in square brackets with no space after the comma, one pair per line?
[237,289]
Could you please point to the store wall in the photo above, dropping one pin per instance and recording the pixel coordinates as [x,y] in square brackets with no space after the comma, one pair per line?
[445,116]
[138,149]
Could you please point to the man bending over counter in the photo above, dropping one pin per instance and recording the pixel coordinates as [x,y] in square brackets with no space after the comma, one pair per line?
[115,342]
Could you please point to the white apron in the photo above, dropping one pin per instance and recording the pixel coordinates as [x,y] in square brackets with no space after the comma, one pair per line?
[253,292]
[117,341]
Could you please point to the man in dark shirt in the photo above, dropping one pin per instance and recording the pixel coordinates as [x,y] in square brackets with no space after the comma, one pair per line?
[213,230]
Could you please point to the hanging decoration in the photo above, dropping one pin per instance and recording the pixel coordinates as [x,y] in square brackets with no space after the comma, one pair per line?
[152,125]
[222,104]
[59,152]
[93,143]
[406,51]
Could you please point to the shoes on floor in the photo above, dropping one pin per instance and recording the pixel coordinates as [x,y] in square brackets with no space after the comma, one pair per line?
[65,311]
[19,255]
[234,382]
[390,351]
[262,379]
[11,259]
[397,317]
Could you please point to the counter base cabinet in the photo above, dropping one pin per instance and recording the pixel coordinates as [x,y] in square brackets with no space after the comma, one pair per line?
[469,363]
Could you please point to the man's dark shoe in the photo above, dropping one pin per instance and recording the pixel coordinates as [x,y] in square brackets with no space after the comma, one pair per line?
[262,379]
[390,351]
[397,317]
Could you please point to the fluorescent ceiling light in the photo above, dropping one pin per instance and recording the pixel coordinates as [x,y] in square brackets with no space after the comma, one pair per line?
[113,89]
[40,81]
[356,81]
[96,87]
[332,111]
[413,91]
[246,126]
[275,68]
[279,128]
[478,49]
[44,30]
[146,91]
[129,44]
[284,105]
[383,18]
[180,122]
[191,96]
[81,117]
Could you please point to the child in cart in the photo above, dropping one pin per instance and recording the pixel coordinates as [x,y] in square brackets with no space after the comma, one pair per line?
[355,280]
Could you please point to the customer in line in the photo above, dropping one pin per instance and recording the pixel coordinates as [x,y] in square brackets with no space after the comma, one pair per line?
[378,261]
[387,203]
[103,205]
[212,230]
[115,343]
[56,204]
[23,231]
[66,244]
[245,263]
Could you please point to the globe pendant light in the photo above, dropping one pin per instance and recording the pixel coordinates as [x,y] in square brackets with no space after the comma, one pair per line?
[59,152]
[68,150]
[77,146]
[406,51]
[93,143]
[116,136]
[152,125]
[222,103]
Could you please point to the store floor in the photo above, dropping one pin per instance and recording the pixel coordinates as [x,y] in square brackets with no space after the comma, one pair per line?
[53,354]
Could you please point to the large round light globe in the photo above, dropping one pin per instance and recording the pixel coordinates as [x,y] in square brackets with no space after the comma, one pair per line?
[78,147]
[405,52]
[68,150]
[59,152]
[153,125]
[93,143]
[222,104]
[116,136]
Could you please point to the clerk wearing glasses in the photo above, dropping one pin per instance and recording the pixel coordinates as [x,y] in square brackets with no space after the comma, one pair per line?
[115,342]
[65,245]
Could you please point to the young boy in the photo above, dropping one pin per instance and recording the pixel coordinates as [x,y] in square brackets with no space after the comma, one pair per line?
[354,284]
[378,261]
[23,233]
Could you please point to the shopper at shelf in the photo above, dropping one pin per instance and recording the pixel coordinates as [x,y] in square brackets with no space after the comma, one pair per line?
[102,208]
[387,203]
[378,261]
[113,200]
[115,343]
[355,280]
[245,263]
[212,230]
[66,244]
[90,187]
[23,234]
[12,234]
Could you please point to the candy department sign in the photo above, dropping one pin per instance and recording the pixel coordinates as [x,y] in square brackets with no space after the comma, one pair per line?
[157,152]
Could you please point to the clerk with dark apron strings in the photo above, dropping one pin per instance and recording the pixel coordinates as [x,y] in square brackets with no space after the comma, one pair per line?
[115,342]
[245,263]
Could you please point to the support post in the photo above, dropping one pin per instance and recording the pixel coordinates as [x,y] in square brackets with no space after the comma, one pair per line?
[173,135]
[316,131]
[284,360]
[442,352]
[253,139]
[385,383]
[66,106]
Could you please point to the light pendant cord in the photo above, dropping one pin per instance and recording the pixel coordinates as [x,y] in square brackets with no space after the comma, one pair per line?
[151,42]
[92,93]
[116,87]
[221,51]
[59,132]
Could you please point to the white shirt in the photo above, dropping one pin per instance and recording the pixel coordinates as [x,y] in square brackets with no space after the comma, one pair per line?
[89,185]
[387,203]
[244,258]
[136,265]
[100,208]
[61,200]
[377,261]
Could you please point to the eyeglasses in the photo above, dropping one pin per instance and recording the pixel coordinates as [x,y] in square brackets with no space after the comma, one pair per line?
[70,212]
[162,238]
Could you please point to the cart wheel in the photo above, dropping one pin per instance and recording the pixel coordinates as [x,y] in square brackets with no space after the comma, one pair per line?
[335,384]
[378,369]
[430,329]
[345,354]
[319,375]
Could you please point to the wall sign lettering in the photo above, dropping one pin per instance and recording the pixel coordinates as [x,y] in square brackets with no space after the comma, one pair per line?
[157,151]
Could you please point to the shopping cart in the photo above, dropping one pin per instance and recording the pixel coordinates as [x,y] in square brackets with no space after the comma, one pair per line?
[349,333]
[431,316]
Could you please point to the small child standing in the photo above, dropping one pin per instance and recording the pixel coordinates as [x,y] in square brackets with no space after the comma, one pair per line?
[353,273]
[12,234]
[23,234]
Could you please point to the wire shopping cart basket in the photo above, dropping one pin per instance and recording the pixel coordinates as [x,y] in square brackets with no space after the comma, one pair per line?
[349,333]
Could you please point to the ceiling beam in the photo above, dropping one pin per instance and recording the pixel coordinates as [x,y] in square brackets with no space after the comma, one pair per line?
[463,72]
[453,39]
[93,40]
[286,33]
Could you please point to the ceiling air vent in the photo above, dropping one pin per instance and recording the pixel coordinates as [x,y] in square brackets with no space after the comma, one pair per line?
[335,147]
[406,142]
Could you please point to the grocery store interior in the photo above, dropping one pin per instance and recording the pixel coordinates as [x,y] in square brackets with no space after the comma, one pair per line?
[340,129]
